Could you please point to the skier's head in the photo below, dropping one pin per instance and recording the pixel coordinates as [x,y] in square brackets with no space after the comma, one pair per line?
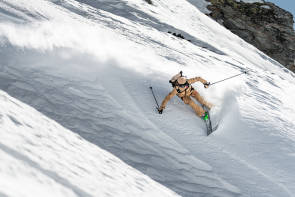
[182,82]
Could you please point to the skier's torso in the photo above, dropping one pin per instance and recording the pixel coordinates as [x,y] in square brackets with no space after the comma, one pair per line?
[183,89]
[187,92]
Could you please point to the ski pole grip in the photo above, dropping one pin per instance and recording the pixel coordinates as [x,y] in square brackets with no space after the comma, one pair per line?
[206,85]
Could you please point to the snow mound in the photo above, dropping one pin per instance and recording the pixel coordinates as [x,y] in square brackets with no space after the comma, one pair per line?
[39,157]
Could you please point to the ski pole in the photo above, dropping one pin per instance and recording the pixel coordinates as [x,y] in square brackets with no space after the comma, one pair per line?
[245,72]
[155,98]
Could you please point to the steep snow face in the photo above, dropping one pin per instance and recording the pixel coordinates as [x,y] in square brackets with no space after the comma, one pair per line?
[89,64]
[39,157]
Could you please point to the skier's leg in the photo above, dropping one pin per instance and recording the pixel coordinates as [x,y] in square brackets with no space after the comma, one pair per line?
[199,110]
[201,100]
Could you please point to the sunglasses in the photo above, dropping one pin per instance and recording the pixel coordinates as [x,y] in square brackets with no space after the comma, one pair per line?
[183,85]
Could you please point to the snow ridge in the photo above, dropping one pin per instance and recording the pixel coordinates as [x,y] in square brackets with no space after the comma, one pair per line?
[41,158]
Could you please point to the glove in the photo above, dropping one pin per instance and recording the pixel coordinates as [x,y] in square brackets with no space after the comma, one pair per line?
[206,85]
[160,110]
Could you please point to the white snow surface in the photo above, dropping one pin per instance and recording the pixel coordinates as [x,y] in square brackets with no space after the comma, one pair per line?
[39,157]
[88,65]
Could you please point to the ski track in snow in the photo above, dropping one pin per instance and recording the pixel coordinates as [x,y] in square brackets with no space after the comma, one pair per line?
[98,87]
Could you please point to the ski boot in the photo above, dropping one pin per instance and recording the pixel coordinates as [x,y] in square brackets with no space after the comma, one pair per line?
[205,116]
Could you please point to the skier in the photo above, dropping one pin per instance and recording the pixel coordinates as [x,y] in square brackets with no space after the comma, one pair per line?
[183,89]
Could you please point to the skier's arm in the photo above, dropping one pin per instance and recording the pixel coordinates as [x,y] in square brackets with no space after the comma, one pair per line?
[200,79]
[167,98]
[195,79]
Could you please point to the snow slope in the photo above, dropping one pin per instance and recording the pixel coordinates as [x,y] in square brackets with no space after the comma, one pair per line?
[89,64]
[39,157]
